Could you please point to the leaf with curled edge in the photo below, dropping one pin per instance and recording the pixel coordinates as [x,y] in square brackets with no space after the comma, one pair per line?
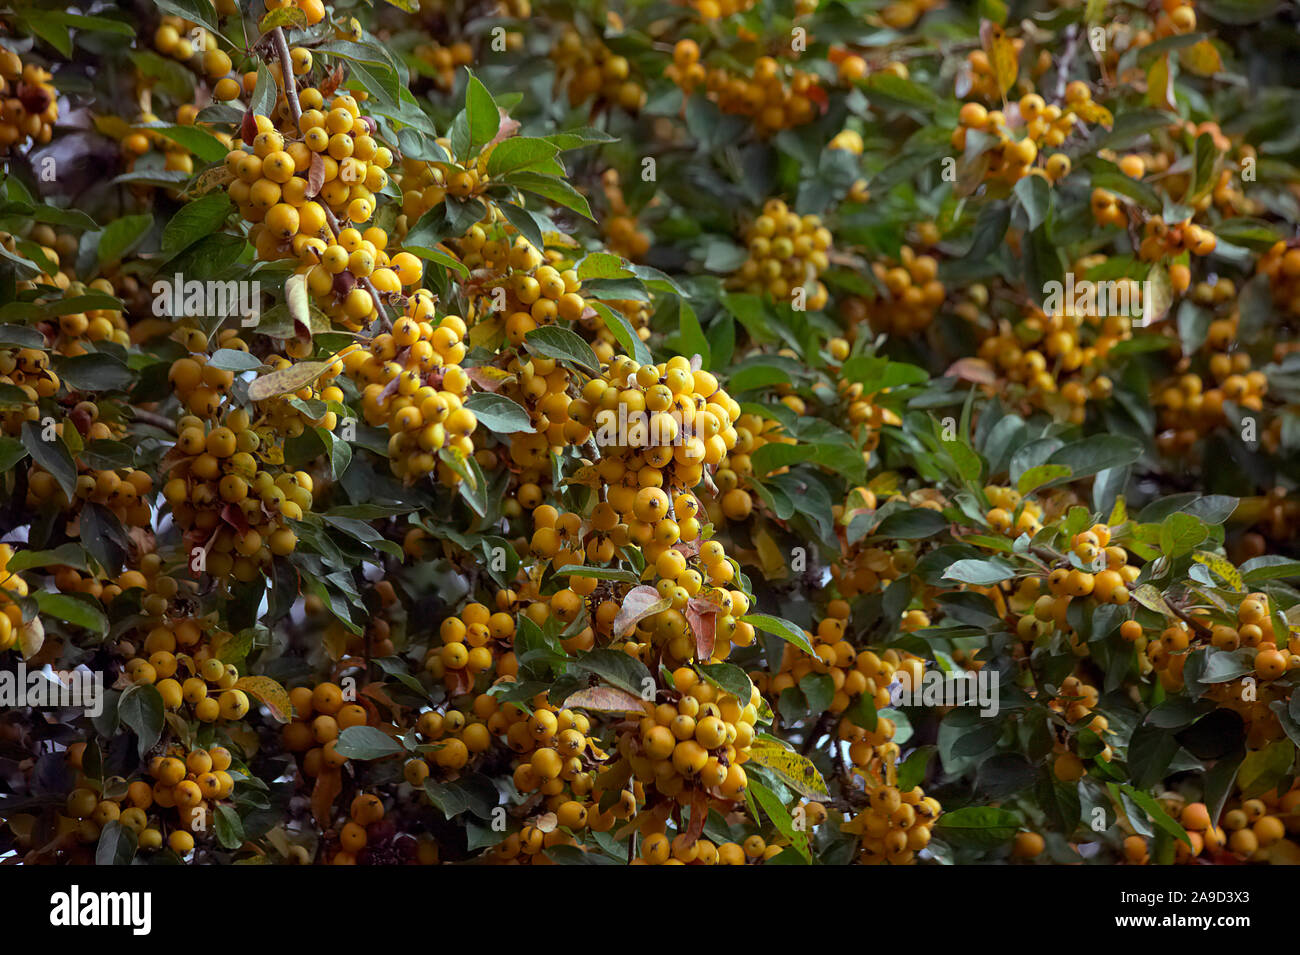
[286,380]
[972,369]
[269,693]
[699,815]
[329,783]
[1222,567]
[489,378]
[640,602]
[702,615]
[605,699]
[796,771]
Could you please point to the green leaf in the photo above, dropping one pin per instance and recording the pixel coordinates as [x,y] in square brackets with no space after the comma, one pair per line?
[978,826]
[980,573]
[11,452]
[18,336]
[781,818]
[518,152]
[69,555]
[1180,533]
[53,456]
[1097,453]
[500,414]
[80,610]
[195,220]
[553,189]
[617,669]
[481,113]
[562,344]
[232,359]
[121,236]
[1157,813]
[141,709]
[1035,196]
[116,846]
[780,627]
[912,524]
[728,677]
[96,371]
[195,139]
[1036,477]
[366,742]
[624,333]
[229,827]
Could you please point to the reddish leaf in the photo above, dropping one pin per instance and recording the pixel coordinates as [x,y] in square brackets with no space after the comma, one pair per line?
[315,174]
[639,603]
[702,615]
[972,369]
[329,783]
[699,814]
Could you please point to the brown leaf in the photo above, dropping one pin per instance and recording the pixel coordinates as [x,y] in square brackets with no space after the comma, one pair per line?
[332,81]
[235,517]
[315,175]
[639,603]
[972,369]
[605,699]
[699,814]
[377,693]
[505,129]
[329,783]
[248,127]
[702,615]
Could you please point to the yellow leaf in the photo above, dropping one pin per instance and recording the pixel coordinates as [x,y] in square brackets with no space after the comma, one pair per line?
[884,483]
[297,300]
[1162,296]
[771,559]
[560,239]
[1202,58]
[796,771]
[114,126]
[289,379]
[1002,55]
[269,693]
[289,16]
[31,637]
[1118,513]
[216,178]
[1160,85]
[486,332]
[1221,566]
[1092,112]
[1151,598]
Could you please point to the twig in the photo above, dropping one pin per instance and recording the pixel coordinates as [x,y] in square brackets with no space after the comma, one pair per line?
[157,420]
[365,282]
[286,68]
[1067,59]
[295,111]
[1201,629]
